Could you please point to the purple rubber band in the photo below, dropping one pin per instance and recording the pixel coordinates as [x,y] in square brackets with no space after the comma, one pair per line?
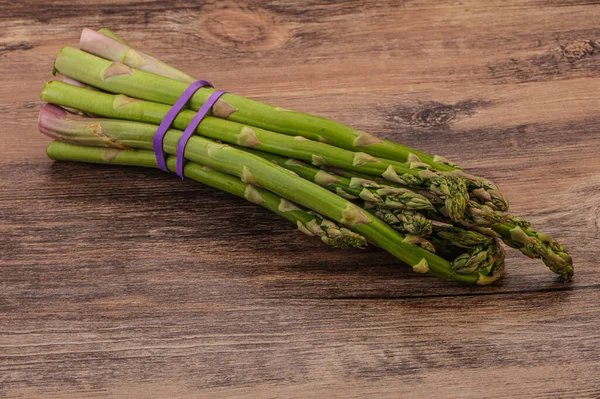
[159,136]
[191,128]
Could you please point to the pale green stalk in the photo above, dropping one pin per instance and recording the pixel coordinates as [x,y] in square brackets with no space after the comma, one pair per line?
[106,43]
[518,233]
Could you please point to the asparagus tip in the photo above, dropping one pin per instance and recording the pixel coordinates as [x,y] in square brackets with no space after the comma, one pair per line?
[519,234]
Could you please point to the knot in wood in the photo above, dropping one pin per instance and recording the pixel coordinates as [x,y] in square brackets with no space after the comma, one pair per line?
[434,116]
[252,29]
[579,50]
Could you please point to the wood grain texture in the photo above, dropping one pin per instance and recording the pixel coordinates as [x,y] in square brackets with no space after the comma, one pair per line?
[125,282]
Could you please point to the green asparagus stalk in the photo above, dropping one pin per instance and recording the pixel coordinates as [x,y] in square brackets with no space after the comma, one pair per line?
[519,234]
[444,184]
[119,78]
[118,135]
[94,42]
[307,222]
[354,188]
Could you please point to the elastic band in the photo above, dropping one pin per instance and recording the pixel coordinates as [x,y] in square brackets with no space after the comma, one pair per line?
[159,136]
[191,128]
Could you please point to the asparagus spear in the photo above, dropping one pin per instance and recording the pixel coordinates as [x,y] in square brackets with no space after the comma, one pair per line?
[94,42]
[354,188]
[444,184]
[519,234]
[119,78]
[118,135]
[308,223]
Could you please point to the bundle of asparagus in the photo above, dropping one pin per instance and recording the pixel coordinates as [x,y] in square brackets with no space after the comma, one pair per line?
[343,185]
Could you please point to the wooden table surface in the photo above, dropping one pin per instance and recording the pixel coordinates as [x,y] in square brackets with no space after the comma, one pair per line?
[126,282]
